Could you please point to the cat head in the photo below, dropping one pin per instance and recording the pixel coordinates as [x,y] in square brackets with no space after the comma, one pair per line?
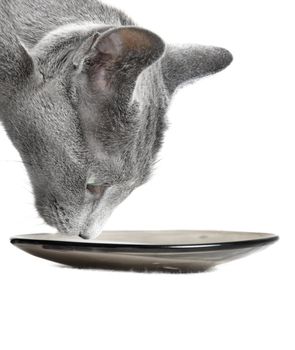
[90,119]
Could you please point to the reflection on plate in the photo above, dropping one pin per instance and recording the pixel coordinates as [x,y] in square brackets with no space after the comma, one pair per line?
[167,251]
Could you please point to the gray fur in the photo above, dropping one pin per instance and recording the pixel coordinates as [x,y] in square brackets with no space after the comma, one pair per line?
[83,97]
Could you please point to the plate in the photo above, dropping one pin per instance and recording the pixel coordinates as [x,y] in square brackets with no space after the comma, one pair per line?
[167,251]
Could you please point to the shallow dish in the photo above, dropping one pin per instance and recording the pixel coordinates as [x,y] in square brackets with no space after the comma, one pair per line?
[174,251]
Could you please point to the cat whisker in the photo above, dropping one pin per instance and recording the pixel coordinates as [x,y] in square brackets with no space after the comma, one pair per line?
[15,161]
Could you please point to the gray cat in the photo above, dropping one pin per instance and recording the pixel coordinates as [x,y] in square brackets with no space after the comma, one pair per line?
[83,98]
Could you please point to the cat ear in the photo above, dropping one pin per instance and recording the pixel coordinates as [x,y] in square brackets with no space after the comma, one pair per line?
[117,55]
[182,64]
[16,64]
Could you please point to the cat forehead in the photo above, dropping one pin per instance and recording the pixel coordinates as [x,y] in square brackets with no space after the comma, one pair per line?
[61,144]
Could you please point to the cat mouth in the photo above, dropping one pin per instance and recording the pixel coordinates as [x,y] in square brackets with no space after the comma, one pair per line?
[92,231]
[94,225]
[84,235]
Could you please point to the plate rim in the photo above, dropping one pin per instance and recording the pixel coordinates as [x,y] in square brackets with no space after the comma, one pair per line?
[143,247]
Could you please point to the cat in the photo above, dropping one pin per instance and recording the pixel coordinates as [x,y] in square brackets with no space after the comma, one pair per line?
[83,97]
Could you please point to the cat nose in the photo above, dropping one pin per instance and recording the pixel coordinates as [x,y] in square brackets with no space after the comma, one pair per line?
[83,235]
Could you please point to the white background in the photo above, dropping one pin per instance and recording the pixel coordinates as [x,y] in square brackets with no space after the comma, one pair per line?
[227,163]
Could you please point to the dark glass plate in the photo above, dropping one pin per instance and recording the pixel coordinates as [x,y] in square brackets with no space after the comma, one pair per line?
[169,251]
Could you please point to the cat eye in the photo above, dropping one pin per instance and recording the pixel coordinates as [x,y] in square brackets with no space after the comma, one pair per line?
[96,190]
